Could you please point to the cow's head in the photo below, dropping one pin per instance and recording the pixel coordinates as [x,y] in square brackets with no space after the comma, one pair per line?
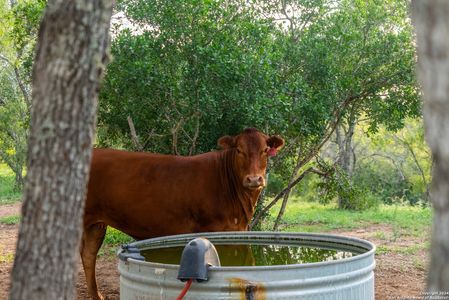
[251,150]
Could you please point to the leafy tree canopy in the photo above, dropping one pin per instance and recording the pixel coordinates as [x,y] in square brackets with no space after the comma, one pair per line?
[199,70]
[18,29]
[195,70]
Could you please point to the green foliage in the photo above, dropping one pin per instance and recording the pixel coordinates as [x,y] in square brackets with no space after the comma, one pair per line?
[383,181]
[200,70]
[13,131]
[395,167]
[10,220]
[18,30]
[275,184]
[8,194]
[25,18]
[115,238]
[269,255]
[392,168]
[339,186]
[361,52]
[366,59]
[306,216]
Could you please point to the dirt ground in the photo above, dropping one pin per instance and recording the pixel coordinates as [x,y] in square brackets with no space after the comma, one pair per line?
[398,274]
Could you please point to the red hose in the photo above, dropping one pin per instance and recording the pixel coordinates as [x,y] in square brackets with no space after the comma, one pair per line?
[185,289]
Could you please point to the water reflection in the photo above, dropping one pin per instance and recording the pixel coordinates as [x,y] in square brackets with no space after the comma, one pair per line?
[253,254]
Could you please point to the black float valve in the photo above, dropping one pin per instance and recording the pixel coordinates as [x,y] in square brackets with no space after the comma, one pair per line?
[198,255]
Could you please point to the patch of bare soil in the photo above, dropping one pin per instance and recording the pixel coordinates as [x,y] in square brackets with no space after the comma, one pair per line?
[8,237]
[398,274]
[401,273]
[107,278]
[10,209]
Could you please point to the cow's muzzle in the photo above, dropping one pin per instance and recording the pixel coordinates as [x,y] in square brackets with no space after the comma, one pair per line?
[254,182]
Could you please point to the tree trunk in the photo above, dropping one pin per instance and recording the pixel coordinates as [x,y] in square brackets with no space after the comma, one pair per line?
[71,53]
[19,181]
[432,26]
[345,159]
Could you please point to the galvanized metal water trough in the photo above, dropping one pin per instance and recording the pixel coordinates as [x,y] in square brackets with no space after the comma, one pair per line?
[346,278]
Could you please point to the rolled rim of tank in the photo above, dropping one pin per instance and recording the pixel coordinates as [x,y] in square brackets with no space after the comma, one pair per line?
[260,237]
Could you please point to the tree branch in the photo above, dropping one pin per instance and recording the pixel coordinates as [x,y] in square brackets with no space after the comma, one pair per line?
[22,87]
[134,136]
[338,113]
[196,135]
[4,58]
[285,190]
[287,193]
[18,79]
[7,159]
[150,137]
[418,165]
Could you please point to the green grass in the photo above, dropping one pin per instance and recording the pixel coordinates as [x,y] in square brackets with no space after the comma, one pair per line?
[115,237]
[411,250]
[420,264]
[382,250]
[404,221]
[307,217]
[10,220]
[402,249]
[112,241]
[7,193]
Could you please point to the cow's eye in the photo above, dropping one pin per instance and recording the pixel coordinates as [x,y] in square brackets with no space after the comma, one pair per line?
[239,151]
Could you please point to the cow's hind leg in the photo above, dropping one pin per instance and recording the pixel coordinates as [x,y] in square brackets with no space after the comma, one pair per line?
[90,244]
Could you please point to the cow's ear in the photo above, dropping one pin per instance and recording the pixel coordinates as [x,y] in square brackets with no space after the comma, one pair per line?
[275,142]
[226,142]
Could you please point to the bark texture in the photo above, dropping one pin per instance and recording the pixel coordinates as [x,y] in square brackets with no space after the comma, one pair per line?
[346,156]
[71,53]
[431,19]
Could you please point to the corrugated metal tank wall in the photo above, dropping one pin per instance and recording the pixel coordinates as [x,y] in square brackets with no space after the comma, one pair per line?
[345,279]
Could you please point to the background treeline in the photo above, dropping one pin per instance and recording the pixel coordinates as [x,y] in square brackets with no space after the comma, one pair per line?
[335,78]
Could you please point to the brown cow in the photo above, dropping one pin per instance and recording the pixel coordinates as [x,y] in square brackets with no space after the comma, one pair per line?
[148,195]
